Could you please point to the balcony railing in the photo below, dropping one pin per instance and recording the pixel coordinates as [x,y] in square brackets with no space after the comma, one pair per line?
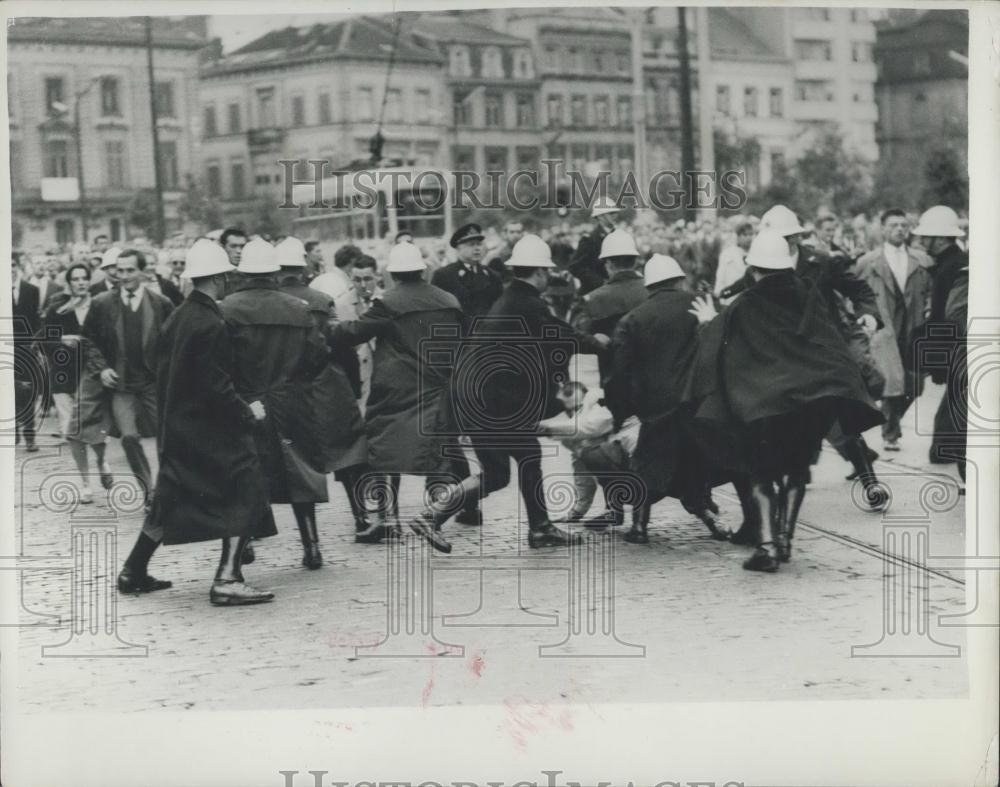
[262,139]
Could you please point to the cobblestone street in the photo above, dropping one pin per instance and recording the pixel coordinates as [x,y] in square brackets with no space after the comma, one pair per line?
[690,623]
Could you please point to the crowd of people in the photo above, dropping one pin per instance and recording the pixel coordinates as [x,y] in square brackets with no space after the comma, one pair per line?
[727,352]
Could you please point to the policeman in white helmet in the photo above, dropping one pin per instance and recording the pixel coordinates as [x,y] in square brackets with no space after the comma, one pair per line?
[650,353]
[940,232]
[209,430]
[585,264]
[408,414]
[622,292]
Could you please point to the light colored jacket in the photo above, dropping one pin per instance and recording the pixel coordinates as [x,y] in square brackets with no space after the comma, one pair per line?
[904,313]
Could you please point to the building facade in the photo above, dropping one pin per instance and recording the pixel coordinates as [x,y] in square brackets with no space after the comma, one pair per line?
[94,70]
[922,88]
[317,93]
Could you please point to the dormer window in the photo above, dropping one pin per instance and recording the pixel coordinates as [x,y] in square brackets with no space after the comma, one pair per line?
[492,63]
[459,56]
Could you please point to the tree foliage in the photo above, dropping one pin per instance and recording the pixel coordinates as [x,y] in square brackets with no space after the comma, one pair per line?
[141,212]
[197,207]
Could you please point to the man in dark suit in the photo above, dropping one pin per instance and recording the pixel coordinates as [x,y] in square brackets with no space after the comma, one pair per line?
[474,285]
[109,280]
[28,374]
[123,327]
[503,415]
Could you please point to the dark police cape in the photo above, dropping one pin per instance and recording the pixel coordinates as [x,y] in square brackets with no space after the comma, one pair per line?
[771,375]
[210,483]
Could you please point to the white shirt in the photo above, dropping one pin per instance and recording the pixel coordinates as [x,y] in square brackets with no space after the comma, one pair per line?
[898,261]
[136,297]
[17,286]
[732,266]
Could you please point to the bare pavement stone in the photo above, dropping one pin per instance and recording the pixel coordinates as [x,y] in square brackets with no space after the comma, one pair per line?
[688,623]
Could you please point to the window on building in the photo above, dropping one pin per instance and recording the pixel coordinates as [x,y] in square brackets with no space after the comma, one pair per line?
[777,102]
[750,102]
[494,110]
[213,180]
[394,105]
[165,107]
[813,90]
[461,109]
[602,111]
[211,127]
[921,63]
[813,50]
[550,57]
[579,156]
[522,64]
[624,63]
[603,154]
[423,98]
[578,111]
[65,231]
[722,99]
[814,14]
[365,105]
[325,112]
[492,63]
[624,160]
[601,60]
[527,158]
[859,16]
[554,110]
[463,158]
[862,52]
[56,158]
[235,121]
[496,159]
[298,110]
[624,111]
[266,117]
[459,61]
[169,171]
[110,97]
[114,163]
[863,92]
[574,60]
[777,162]
[525,110]
[237,179]
[55,93]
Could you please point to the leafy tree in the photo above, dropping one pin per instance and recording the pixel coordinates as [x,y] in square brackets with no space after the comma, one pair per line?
[268,219]
[196,206]
[830,175]
[944,181]
[141,212]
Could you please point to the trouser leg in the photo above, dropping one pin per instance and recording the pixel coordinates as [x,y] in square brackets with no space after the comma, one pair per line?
[123,408]
[529,473]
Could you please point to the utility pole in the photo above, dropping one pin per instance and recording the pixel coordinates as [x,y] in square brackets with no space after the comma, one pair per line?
[160,229]
[706,142]
[638,102]
[79,165]
[687,131]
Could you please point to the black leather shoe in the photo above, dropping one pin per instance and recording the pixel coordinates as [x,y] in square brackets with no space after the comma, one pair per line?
[424,526]
[130,582]
[472,518]
[373,535]
[31,448]
[708,518]
[248,556]
[761,560]
[235,593]
[636,535]
[311,558]
[548,535]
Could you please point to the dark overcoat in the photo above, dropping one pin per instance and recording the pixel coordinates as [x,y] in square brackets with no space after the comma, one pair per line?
[65,360]
[513,370]
[279,353]
[605,306]
[210,484]
[408,415]
[338,414]
[585,264]
[104,330]
[772,374]
[476,290]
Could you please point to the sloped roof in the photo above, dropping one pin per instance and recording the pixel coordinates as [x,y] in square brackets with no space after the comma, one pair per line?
[449,29]
[924,30]
[107,31]
[730,39]
[362,37]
